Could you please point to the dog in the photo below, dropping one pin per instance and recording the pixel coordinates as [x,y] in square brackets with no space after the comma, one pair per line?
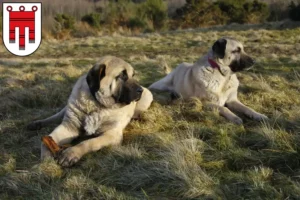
[101,105]
[213,79]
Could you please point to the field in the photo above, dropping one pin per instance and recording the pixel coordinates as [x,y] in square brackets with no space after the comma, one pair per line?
[177,150]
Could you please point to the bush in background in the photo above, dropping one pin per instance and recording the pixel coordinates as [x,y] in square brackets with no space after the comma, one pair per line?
[83,29]
[148,15]
[242,11]
[117,14]
[137,23]
[64,24]
[64,21]
[198,13]
[93,19]
[294,11]
[233,9]
[255,12]
[156,12]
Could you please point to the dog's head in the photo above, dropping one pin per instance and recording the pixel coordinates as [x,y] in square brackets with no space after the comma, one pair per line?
[112,82]
[230,52]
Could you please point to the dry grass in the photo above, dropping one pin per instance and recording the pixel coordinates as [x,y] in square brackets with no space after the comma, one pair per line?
[178,150]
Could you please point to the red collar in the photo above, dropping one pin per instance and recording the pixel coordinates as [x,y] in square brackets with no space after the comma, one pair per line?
[215,65]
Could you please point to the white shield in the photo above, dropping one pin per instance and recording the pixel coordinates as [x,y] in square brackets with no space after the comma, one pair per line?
[22,27]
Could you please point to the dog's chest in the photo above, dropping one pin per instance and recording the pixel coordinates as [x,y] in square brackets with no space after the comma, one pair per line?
[219,88]
[230,83]
[215,82]
[107,119]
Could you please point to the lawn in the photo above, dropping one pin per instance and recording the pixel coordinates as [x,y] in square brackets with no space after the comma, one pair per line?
[177,150]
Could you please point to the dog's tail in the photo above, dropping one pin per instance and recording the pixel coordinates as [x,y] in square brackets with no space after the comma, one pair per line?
[56,118]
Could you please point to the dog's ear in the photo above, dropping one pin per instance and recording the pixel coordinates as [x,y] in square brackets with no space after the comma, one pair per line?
[94,77]
[219,48]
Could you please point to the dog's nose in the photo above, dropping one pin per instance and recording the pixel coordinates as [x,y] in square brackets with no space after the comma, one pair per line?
[140,90]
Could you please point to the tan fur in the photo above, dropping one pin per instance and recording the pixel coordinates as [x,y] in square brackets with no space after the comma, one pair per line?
[219,87]
[84,115]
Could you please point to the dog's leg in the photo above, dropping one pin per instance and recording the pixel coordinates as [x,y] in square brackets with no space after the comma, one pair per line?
[73,154]
[56,118]
[161,86]
[164,84]
[61,135]
[225,112]
[236,105]
[144,103]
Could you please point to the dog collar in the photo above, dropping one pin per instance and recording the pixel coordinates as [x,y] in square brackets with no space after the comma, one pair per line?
[214,65]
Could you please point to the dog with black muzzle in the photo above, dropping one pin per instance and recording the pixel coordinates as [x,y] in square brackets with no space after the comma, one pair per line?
[101,104]
[213,79]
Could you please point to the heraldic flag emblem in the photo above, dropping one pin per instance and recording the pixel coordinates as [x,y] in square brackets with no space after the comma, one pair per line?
[22,27]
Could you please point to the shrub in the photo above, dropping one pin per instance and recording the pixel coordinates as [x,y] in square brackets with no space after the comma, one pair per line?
[93,19]
[151,14]
[196,13]
[82,30]
[242,11]
[294,11]
[118,13]
[255,12]
[204,12]
[155,11]
[64,22]
[233,9]
[136,23]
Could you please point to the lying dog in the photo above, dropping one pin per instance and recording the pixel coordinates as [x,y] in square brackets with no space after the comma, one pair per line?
[213,79]
[102,103]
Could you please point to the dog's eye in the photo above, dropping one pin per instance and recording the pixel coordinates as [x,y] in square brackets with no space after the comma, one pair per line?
[122,76]
[238,50]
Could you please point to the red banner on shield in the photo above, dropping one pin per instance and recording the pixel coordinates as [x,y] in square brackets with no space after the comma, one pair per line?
[21,19]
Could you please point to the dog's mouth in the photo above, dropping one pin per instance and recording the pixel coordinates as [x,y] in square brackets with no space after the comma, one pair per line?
[139,92]
[244,64]
[129,101]
[139,98]
[248,68]
[131,92]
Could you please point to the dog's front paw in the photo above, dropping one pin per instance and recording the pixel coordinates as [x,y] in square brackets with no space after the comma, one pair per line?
[69,157]
[259,117]
[237,120]
[45,153]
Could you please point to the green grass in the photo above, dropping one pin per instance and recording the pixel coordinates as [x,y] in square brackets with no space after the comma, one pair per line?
[178,150]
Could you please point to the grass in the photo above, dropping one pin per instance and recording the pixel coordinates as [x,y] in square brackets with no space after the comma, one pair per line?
[178,150]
